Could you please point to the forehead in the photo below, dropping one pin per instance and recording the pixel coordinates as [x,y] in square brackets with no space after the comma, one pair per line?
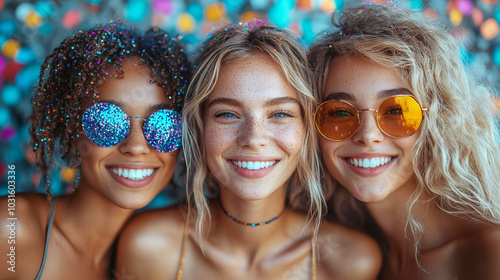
[135,85]
[255,78]
[361,78]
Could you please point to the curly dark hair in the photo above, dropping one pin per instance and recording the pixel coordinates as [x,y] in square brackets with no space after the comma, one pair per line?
[78,66]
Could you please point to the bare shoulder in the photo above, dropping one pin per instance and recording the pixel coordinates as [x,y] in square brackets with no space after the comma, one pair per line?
[482,251]
[488,238]
[23,227]
[347,254]
[150,245]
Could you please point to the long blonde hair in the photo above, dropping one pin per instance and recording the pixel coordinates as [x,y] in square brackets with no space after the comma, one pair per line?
[240,41]
[457,157]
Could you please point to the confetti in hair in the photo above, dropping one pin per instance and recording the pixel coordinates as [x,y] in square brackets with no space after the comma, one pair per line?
[80,64]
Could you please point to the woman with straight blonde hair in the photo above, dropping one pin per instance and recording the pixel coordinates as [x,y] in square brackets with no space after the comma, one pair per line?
[249,143]
[407,132]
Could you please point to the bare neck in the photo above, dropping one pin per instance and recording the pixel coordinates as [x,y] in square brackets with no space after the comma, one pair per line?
[391,215]
[246,239]
[90,222]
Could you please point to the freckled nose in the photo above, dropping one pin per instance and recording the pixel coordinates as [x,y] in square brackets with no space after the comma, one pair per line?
[135,144]
[368,131]
[253,134]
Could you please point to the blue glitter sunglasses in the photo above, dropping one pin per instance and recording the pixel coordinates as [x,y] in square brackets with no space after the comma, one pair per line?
[107,125]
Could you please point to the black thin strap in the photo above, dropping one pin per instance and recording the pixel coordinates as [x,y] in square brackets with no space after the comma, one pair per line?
[47,238]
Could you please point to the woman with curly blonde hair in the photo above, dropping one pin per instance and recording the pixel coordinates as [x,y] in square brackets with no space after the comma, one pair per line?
[406,131]
[249,141]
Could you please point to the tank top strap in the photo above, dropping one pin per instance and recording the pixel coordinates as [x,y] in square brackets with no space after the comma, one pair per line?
[183,252]
[47,238]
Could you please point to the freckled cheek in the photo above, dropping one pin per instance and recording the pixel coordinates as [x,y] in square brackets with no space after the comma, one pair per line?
[218,138]
[291,139]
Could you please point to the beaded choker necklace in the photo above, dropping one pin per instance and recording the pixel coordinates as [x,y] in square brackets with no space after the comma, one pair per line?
[251,224]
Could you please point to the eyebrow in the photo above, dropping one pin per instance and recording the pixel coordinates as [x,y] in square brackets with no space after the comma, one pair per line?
[236,103]
[224,101]
[340,96]
[392,92]
[117,103]
[280,100]
[152,108]
[162,106]
[381,94]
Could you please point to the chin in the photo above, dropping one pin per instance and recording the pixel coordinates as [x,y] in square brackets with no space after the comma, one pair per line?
[370,194]
[252,193]
[131,203]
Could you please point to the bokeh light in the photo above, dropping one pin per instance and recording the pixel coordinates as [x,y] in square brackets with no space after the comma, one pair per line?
[33,19]
[186,23]
[489,29]
[163,6]
[10,95]
[215,12]
[72,19]
[456,17]
[68,174]
[10,48]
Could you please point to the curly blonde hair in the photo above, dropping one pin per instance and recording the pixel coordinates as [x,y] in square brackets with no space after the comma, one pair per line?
[457,157]
[234,42]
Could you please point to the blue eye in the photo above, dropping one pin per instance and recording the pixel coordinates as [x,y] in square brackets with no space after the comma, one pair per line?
[282,114]
[339,113]
[228,115]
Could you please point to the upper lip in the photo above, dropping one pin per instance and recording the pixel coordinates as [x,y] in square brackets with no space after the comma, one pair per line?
[368,155]
[253,158]
[131,165]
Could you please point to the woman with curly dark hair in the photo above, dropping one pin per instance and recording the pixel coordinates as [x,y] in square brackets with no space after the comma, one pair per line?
[108,102]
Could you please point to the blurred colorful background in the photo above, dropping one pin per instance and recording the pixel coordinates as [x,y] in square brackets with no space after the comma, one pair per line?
[30,30]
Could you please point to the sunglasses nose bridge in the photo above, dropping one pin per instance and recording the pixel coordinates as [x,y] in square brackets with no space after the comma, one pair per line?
[366,110]
[138,125]
[375,111]
[362,124]
[135,117]
[135,143]
[140,118]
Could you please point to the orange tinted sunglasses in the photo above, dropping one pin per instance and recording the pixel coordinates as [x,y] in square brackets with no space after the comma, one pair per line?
[397,116]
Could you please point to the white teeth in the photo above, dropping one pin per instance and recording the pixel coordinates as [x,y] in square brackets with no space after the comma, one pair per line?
[369,162]
[253,165]
[132,174]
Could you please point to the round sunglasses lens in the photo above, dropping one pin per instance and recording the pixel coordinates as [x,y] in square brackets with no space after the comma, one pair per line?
[163,130]
[336,120]
[105,124]
[399,116]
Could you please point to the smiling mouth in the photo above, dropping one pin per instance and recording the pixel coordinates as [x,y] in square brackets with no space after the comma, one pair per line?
[369,162]
[132,174]
[253,165]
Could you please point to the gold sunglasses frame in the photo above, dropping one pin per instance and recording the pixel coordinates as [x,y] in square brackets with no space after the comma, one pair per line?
[375,111]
